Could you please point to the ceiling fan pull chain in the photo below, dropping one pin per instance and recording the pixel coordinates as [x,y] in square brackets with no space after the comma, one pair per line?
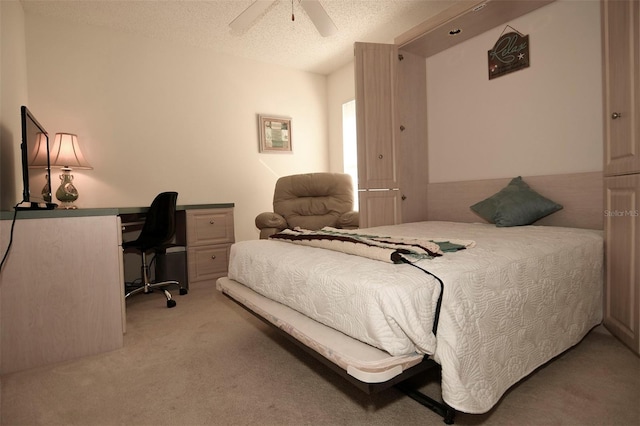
[313,8]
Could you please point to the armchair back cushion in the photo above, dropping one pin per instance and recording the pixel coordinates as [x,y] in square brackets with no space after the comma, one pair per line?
[313,200]
[310,201]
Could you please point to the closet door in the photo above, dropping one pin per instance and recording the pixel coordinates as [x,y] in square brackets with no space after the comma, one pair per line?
[376,86]
[621,58]
[622,273]
[378,208]
[412,142]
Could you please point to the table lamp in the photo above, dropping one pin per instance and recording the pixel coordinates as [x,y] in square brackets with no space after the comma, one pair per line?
[67,155]
[40,160]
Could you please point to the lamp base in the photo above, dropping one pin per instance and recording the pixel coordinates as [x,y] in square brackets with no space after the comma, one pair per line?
[67,193]
[67,205]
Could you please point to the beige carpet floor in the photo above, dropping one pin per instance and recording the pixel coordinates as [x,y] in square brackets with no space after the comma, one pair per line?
[209,362]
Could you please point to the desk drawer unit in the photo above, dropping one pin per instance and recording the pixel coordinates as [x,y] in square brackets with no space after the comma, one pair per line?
[209,238]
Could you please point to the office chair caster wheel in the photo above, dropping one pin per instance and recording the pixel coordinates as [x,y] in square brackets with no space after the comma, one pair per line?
[183,291]
[171,303]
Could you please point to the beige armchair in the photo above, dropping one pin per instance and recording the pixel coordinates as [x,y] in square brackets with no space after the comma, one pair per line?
[310,201]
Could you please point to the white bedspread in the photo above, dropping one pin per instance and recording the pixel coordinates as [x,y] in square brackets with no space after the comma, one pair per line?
[520,297]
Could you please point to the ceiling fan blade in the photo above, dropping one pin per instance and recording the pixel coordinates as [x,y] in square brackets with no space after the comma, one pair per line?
[250,15]
[319,17]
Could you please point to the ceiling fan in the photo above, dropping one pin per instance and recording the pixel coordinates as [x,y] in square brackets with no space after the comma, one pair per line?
[313,8]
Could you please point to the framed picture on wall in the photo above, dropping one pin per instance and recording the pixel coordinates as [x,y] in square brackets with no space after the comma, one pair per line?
[275,133]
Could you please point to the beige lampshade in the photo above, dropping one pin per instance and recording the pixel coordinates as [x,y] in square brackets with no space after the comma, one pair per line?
[66,152]
[38,156]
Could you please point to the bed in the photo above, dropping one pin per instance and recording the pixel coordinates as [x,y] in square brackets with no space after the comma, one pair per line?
[487,314]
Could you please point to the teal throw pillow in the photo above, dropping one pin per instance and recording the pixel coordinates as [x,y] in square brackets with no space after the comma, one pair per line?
[515,205]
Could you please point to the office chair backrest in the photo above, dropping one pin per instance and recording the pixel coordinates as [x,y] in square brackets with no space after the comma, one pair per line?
[160,223]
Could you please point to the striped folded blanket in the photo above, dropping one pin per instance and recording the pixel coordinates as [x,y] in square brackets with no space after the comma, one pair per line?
[372,246]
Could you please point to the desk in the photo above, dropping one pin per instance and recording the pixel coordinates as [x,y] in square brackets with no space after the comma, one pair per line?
[62,283]
[207,232]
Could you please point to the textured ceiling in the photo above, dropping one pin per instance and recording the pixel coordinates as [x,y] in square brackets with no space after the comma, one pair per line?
[274,37]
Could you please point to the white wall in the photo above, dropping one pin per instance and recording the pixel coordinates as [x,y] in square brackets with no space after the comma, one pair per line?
[152,116]
[13,91]
[545,119]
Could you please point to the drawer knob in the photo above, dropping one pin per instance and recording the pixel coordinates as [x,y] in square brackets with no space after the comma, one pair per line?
[616,115]
[213,257]
[211,222]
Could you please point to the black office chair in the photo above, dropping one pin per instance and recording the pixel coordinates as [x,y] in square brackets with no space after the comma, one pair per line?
[158,230]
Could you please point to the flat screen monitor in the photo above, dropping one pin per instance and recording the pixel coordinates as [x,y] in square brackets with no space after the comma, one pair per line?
[36,166]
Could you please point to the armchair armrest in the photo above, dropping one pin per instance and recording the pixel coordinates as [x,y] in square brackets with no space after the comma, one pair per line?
[348,220]
[270,220]
[269,223]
